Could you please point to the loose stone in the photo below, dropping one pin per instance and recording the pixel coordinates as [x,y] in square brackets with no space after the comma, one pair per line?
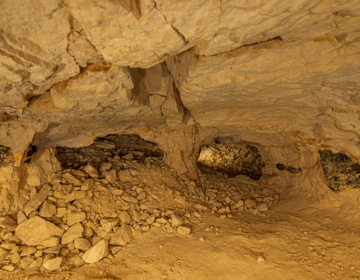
[97,252]
[53,264]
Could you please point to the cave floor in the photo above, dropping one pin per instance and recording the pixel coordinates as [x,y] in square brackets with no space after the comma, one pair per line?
[310,244]
[292,239]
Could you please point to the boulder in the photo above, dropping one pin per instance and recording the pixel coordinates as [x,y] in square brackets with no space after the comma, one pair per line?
[36,230]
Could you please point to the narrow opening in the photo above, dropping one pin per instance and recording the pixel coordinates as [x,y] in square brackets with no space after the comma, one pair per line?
[128,146]
[230,159]
[340,170]
[6,156]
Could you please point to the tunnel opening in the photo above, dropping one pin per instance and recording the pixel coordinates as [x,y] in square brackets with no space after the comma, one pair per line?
[125,146]
[341,172]
[6,156]
[291,169]
[230,159]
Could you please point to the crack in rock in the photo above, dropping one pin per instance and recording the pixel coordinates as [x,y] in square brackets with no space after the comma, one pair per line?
[172,26]
[69,34]
[185,112]
[267,42]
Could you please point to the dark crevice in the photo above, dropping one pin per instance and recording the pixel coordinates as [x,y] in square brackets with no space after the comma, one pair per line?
[290,169]
[139,93]
[265,44]
[103,149]
[185,112]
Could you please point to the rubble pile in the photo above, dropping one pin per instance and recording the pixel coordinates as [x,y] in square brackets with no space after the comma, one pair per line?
[83,215]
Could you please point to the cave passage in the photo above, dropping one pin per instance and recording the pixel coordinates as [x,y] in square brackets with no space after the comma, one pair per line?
[340,170]
[128,146]
[231,159]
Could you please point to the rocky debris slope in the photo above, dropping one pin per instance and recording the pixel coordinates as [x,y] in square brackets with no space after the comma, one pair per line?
[84,215]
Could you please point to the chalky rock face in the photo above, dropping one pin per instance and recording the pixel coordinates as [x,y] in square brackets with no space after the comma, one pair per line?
[263,87]
[341,171]
[243,23]
[6,157]
[33,60]
[232,159]
[155,37]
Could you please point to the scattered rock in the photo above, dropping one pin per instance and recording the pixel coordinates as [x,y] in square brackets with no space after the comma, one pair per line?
[53,264]
[72,233]
[201,207]
[82,243]
[53,250]
[129,198]
[111,176]
[25,262]
[122,236]
[9,267]
[105,166]
[162,221]
[97,252]
[71,179]
[125,175]
[76,195]
[8,245]
[108,224]
[36,230]
[37,199]
[239,204]
[3,253]
[48,209]
[91,170]
[36,263]
[7,222]
[249,203]
[75,217]
[51,242]
[125,218]
[27,250]
[87,185]
[15,258]
[262,207]
[183,230]
[20,217]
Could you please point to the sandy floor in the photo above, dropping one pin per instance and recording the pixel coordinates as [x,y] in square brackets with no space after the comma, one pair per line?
[291,241]
[310,244]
